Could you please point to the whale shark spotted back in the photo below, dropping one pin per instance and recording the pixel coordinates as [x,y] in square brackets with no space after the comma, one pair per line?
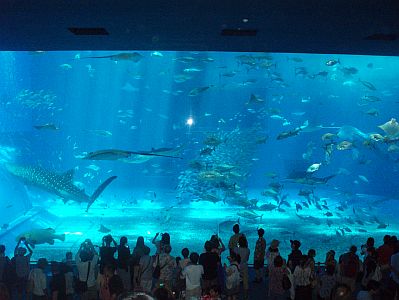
[56,183]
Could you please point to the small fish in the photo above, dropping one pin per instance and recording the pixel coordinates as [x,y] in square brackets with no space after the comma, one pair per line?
[192,70]
[313,168]
[298,207]
[360,222]
[368,85]
[48,126]
[196,91]
[349,71]
[207,151]
[295,59]
[4,226]
[156,54]
[344,145]
[65,66]
[363,178]
[382,226]
[369,98]
[321,74]
[362,230]
[328,214]
[347,229]
[372,112]
[332,62]
[254,99]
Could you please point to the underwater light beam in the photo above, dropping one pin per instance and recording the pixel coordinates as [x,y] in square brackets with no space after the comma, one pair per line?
[190,121]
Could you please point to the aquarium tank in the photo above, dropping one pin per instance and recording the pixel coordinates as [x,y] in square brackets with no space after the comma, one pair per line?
[132,143]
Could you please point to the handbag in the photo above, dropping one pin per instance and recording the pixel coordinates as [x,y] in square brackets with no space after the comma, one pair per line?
[81,286]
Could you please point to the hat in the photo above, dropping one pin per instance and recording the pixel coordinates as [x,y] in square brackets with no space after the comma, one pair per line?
[296,243]
[274,244]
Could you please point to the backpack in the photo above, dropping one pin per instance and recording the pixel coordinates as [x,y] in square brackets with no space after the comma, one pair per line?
[286,282]
[233,280]
[350,266]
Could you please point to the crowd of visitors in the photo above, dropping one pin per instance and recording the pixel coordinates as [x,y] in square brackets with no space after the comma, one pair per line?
[113,271]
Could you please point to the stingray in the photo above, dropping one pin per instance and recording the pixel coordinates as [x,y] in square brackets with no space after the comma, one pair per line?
[104,229]
[134,57]
[391,128]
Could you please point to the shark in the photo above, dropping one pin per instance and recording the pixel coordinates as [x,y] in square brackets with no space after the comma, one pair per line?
[60,184]
[123,56]
[305,178]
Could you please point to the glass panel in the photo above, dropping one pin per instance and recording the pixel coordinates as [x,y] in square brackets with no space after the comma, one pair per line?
[304,146]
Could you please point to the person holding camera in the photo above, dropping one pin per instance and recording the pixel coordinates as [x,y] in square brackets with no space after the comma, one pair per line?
[21,265]
[86,264]
[107,252]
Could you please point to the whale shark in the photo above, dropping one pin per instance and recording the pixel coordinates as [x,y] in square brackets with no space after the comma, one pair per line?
[60,184]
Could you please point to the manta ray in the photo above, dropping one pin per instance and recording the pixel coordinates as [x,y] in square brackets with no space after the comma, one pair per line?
[132,157]
[134,57]
[56,183]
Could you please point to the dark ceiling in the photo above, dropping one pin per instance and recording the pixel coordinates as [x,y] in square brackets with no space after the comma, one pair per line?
[309,26]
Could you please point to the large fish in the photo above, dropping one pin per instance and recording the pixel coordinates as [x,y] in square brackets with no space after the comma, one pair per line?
[132,157]
[55,183]
[134,57]
[309,180]
[41,236]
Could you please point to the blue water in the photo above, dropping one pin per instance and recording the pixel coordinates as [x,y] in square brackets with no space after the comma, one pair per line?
[101,103]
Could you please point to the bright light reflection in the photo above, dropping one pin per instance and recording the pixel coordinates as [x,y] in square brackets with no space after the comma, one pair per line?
[190,121]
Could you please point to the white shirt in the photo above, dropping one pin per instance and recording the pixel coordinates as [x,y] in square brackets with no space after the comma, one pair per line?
[39,281]
[193,274]
[302,276]
[82,270]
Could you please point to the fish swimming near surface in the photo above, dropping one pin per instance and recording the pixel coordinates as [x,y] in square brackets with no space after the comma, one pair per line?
[56,183]
[41,236]
[332,62]
[126,56]
[104,229]
[133,157]
[48,126]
